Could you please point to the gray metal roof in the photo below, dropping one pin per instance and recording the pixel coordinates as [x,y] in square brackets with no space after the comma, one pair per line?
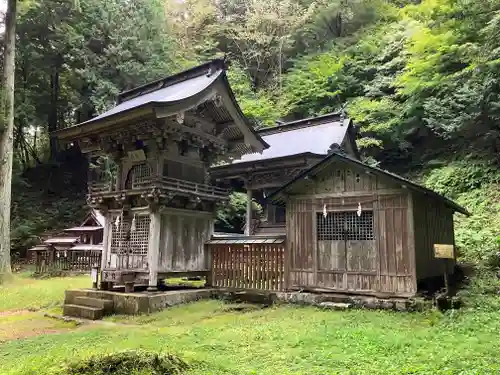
[288,141]
[175,92]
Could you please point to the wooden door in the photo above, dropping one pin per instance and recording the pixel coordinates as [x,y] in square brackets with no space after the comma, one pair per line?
[347,257]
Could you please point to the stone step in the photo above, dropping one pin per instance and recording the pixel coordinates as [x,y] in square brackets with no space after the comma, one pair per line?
[85,312]
[105,304]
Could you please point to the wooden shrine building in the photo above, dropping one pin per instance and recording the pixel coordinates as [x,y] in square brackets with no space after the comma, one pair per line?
[353,228]
[157,198]
[293,147]
[331,223]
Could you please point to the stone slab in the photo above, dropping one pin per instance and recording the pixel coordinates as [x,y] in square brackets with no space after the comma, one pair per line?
[85,312]
[105,304]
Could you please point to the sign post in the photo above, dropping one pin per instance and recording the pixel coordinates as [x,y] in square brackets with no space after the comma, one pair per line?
[444,252]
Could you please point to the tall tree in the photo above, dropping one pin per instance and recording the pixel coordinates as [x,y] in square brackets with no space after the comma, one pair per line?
[7,135]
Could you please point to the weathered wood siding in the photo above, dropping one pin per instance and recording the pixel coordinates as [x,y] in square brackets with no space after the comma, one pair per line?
[182,240]
[433,223]
[384,264]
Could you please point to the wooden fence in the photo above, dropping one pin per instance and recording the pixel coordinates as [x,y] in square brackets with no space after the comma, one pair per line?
[66,260]
[243,264]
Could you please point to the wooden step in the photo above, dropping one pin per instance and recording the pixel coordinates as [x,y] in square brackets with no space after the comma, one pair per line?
[84,312]
[105,304]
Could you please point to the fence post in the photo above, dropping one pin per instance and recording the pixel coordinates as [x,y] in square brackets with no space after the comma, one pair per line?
[209,280]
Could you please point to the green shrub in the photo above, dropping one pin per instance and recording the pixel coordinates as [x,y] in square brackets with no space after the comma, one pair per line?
[127,363]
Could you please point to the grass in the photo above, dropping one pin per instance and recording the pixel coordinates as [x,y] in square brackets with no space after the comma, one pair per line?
[282,340]
[25,293]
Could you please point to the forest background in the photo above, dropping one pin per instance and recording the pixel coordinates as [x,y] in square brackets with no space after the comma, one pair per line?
[421,80]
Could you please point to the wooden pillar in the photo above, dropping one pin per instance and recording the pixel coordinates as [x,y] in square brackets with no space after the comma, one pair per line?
[154,249]
[105,244]
[248,227]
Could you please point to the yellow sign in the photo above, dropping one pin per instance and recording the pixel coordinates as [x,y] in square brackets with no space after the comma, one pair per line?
[443,251]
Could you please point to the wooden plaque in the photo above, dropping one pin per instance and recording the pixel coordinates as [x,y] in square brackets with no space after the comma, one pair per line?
[443,251]
[137,155]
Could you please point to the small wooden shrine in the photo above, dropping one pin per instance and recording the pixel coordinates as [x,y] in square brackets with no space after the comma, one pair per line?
[293,147]
[353,228]
[153,187]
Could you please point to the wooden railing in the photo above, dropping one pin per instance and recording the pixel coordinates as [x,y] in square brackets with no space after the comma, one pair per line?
[174,184]
[66,260]
[99,187]
[166,183]
[249,263]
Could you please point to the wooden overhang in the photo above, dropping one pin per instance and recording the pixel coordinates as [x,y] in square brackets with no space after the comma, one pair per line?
[86,247]
[62,240]
[84,229]
[294,141]
[279,196]
[200,86]
[246,240]
[240,170]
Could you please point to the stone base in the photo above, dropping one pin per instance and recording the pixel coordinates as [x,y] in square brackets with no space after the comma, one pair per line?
[135,303]
[93,304]
[327,300]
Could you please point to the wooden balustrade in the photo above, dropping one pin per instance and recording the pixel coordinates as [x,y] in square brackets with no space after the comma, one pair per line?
[257,263]
[167,183]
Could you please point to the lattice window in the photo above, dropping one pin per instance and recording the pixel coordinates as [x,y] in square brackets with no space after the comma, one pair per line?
[341,226]
[124,240]
[138,174]
[331,227]
[359,228]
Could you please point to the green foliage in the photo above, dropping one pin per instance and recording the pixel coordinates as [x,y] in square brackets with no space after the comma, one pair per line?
[129,362]
[257,105]
[231,216]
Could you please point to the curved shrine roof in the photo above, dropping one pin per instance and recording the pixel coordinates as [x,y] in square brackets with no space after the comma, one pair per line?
[309,136]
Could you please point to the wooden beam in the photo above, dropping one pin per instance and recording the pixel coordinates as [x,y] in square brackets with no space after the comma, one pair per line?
[350,194]
[248,227]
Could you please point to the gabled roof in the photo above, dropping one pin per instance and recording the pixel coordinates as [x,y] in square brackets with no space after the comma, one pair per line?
[279,195]
[171,95]
[94,216]
[311,136]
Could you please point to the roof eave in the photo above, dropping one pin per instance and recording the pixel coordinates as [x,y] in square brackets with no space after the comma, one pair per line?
[251,136]
[255,163]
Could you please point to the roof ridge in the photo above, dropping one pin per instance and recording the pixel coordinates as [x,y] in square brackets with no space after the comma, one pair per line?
[206,68]
[302,123]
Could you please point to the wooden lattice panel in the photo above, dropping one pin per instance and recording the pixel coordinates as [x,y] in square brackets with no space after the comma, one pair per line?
[340,226]
[138,174]
[139,239]
[124,240]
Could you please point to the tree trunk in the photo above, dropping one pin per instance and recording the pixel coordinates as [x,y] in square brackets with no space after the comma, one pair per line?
[6,136]
[54,102]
